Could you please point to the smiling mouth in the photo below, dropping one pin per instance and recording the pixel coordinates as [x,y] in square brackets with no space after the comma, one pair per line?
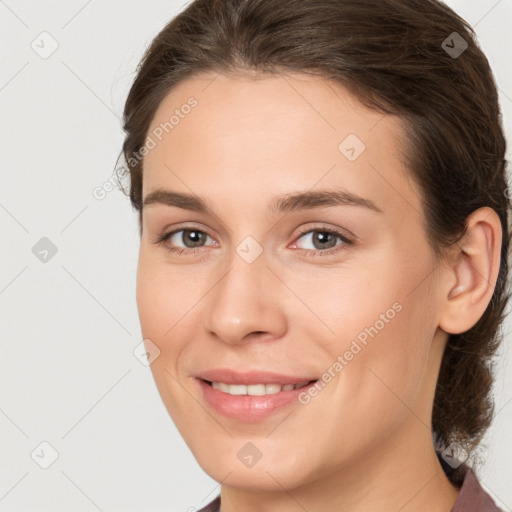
[256,389]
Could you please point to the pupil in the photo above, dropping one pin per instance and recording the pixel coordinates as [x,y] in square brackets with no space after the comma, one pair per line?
[196,237]
[323,236]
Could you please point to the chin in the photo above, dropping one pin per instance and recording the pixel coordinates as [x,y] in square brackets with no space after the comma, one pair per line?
[269,473]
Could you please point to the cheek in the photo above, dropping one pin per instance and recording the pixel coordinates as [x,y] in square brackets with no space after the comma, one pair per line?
[381,335]
[162,308]
[169,306]
[162,298]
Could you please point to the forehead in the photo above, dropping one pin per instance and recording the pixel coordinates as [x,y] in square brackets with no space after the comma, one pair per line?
[273,133]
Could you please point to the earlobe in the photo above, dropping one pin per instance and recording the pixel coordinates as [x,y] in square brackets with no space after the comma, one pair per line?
[473,273]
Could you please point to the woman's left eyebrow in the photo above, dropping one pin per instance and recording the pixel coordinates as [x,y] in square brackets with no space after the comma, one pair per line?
[318,199]
[285,203]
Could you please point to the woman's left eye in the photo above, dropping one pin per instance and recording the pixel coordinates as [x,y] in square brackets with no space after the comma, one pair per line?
[324,241]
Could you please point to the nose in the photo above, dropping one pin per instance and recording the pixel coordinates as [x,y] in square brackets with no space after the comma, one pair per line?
[245,303]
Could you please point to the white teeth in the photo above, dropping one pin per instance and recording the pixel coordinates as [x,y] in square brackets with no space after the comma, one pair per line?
[256,389]
[272,389]
[223,387]
[237,389]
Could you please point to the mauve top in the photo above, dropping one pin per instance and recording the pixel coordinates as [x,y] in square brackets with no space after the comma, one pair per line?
[472,497]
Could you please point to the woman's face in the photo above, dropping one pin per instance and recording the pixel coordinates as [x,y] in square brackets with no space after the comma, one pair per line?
[308,262]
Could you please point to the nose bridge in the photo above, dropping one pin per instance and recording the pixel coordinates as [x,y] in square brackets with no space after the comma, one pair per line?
[244,298]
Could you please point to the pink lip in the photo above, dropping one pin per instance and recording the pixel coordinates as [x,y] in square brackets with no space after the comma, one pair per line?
[252,377]
[249,408]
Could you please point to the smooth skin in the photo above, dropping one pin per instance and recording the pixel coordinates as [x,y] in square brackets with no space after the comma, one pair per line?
[364,442]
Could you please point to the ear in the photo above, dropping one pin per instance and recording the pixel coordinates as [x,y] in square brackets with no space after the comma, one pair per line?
[471,273]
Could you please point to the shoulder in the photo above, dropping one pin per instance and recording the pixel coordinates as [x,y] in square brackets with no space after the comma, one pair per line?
[213,506]
[472,497]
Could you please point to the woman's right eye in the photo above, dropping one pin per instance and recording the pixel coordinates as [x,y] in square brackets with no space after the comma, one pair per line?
[190,238]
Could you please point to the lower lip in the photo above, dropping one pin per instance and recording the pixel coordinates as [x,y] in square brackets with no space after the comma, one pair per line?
[247,407]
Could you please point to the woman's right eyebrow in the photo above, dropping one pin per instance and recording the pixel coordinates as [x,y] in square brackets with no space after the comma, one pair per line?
[285,203]
[178,199]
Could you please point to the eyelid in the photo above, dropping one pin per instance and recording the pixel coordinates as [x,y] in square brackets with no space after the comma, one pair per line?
[343,233]
[166,232]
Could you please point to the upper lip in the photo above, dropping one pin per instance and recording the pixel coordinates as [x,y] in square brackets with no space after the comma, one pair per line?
[229,376]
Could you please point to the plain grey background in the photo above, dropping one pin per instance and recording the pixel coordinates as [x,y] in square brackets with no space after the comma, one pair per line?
[69,377]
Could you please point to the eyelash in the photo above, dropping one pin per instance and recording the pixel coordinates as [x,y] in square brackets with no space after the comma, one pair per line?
[162,238]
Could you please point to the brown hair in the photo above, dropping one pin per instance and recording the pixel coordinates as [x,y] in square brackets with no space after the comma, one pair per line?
[396,57]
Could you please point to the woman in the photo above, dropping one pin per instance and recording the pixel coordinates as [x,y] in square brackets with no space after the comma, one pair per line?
[324,227]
